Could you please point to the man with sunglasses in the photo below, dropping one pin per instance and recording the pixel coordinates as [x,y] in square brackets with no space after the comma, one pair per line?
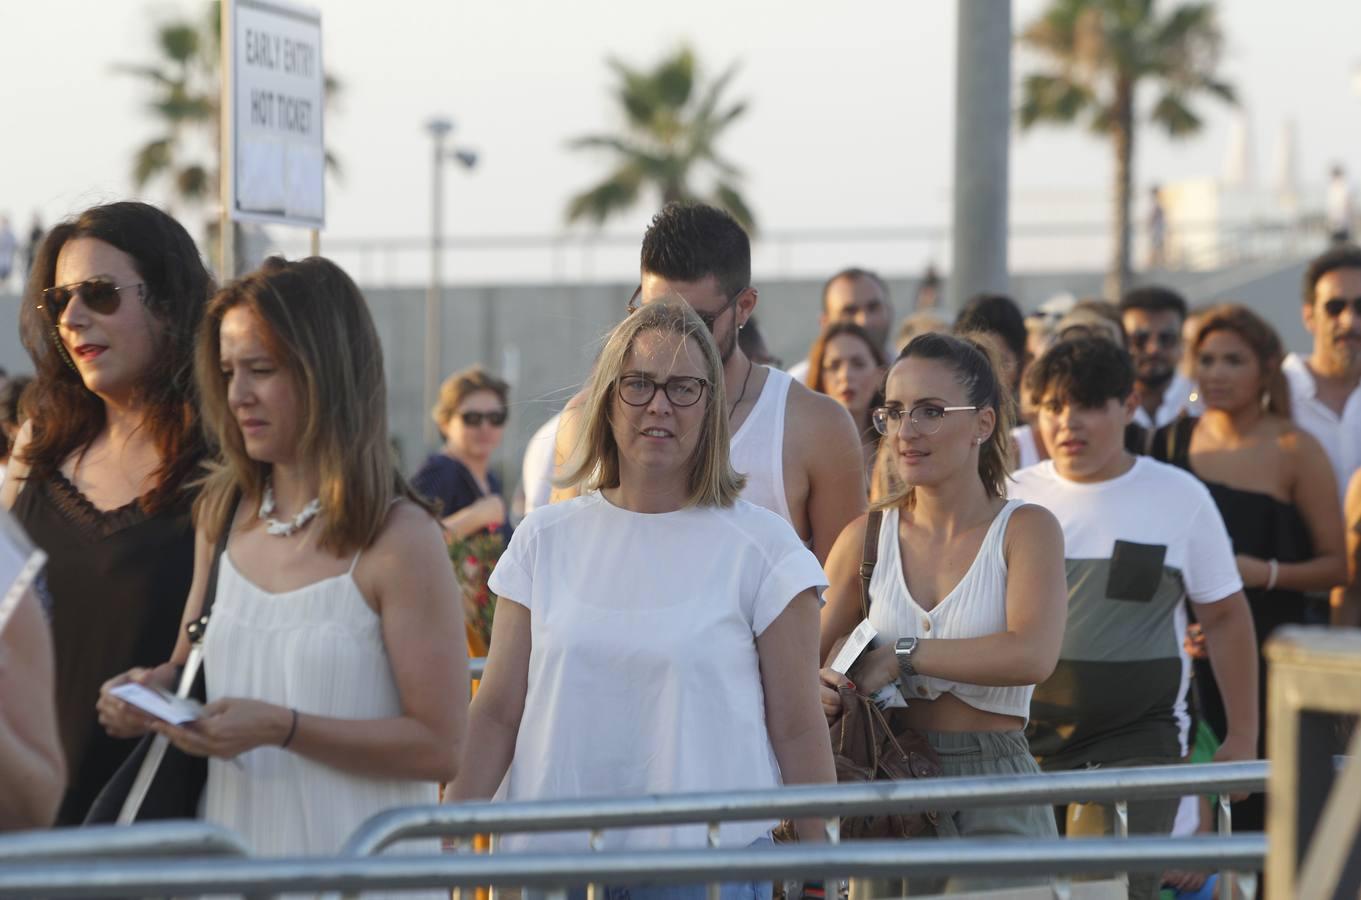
[799,449]
[1153,318]
[1324,396]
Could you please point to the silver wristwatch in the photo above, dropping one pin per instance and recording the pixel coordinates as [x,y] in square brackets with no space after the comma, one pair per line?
[905,649]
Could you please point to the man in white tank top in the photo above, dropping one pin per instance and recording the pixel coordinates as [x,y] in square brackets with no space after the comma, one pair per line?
[799,449]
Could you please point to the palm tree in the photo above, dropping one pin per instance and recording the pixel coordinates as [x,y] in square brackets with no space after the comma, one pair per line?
[671,128]
[1100,51]
[184,99]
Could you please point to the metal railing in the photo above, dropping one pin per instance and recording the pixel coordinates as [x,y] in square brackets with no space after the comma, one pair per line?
[156,839]
[806,801]
[860,859]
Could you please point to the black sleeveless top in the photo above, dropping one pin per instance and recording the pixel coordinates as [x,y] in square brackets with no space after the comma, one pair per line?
[1259,525]
[114,590]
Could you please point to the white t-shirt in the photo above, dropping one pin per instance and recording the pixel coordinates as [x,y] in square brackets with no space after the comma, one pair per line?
[1340,436]
[644,676]
[799,371]
[1135,547]
[1176,400]
[536,470]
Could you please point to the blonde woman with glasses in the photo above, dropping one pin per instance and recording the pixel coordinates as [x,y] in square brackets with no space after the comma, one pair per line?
[656,634]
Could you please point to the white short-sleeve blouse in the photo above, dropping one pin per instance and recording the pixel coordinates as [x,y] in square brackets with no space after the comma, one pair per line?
[643,675]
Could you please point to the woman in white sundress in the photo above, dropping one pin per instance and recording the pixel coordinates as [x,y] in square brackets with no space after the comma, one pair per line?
[334,657]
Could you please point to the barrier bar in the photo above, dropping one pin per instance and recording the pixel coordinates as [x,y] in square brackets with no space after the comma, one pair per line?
[170,838]
[859,859]
[1090,785]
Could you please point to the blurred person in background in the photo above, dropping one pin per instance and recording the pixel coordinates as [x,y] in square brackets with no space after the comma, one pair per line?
[1325,386]
[1346,600]
[656,575]
[12,416]
[1272,485]
[915,324]
[102,477]
[471,415]
[846,364]
[998,316]
[858,296]
[9,246]
[1153,318]
[32,769]
[753,344]
[1338,207]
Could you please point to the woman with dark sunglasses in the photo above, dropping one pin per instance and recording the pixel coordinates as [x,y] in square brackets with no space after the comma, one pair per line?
[100,476]
[471,415]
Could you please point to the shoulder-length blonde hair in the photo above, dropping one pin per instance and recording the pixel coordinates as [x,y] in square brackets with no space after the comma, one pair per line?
[318,328]
[595,465]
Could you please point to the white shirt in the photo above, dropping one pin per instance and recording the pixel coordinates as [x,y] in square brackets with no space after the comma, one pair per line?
[1176,399]
[1339,205]
[536,471]
[757,449]
[799,371]
[643,673]
[1339,435]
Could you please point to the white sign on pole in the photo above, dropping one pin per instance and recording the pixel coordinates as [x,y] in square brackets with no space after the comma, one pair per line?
[278,94]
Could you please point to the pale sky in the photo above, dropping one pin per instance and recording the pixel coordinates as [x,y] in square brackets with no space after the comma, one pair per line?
[850,120]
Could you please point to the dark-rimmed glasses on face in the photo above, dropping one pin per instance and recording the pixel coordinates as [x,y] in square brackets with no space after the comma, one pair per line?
[100,294]
[638,390]
[926,418]
[1334,306]
[709,319]
[474,419]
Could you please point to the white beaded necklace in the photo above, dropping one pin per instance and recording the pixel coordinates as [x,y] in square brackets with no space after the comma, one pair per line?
[285,529]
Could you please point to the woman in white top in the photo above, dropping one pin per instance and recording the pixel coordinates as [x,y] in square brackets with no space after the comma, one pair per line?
[968,596]
[334,657]
[655,634]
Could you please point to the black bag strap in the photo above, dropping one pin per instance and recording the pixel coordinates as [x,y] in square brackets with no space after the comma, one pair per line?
[869,557]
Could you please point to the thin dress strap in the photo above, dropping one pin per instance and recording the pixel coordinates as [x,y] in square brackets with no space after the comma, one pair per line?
[354,562]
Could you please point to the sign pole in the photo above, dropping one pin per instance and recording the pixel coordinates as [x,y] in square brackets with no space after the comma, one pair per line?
[315,248]
[226,165]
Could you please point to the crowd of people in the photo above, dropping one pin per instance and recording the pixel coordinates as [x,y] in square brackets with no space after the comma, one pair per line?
[1070,531]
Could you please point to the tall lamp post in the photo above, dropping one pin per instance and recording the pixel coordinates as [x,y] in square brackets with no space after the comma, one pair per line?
[439,129]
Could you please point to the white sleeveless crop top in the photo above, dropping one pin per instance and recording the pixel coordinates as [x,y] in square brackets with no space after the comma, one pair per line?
[757,449]
[976,607]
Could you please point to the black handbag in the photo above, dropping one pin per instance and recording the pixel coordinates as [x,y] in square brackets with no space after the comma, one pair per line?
[158,780]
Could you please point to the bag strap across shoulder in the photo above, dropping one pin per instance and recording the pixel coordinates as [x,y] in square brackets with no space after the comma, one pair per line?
[869,557]
[197,628]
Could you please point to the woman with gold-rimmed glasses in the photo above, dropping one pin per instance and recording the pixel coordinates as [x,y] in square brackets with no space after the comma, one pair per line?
[655,634]
[100,475]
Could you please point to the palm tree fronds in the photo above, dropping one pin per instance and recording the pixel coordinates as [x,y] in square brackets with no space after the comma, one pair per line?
[1052,98]
[1175,117]
[151,159]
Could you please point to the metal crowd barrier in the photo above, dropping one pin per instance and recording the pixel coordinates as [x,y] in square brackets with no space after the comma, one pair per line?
[154,839]
[859,859]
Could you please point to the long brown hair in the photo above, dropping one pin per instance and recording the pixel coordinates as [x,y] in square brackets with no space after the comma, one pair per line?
[595,463]
[1265,344]
[819,350]
[177,287]
[976,371]
[319,329]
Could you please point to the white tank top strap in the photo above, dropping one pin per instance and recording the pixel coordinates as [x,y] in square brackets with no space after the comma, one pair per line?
[757,449]
[354,562]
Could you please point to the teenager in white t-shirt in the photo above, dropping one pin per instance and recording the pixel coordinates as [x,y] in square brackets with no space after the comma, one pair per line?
[655,635]
[1140,538]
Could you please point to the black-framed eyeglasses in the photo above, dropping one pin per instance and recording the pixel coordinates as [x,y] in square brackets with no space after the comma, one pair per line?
[475,419]
[1334,306]
[926,418]
[100,294]
[709,319]
[1166,339]
[638,390]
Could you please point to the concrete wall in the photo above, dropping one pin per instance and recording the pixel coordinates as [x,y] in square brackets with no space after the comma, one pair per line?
[543,339]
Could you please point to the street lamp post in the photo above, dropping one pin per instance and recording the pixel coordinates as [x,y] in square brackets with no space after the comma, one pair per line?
[439,129]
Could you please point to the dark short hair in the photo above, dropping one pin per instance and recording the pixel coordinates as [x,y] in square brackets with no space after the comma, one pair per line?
[1154,299]
[995,314]
[691,241]
[1086,371]
[1341,256]
[854,273]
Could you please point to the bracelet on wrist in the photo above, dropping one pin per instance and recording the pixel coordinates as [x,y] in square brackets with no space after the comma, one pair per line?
[1273,571]
[292,730]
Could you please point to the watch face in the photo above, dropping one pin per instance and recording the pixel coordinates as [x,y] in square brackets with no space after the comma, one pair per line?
[906,645]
